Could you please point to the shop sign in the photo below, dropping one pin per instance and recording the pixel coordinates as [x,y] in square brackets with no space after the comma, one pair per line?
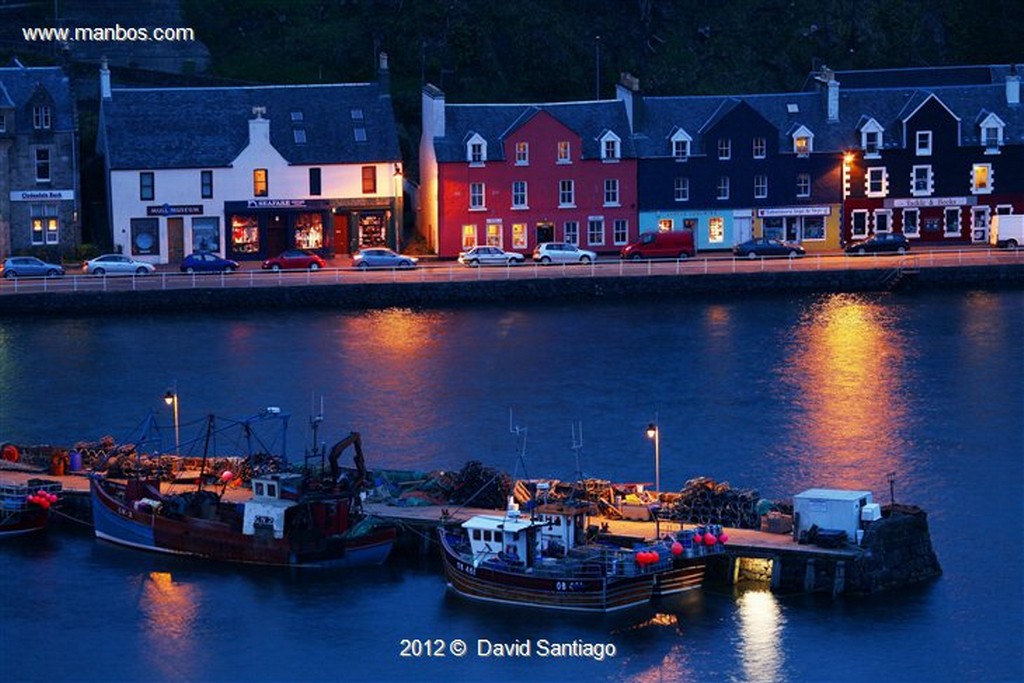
[277,204]
[795,211]
[175,210]
[925,202]
[41,195]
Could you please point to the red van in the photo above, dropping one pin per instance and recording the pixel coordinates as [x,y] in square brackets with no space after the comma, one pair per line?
[671,244]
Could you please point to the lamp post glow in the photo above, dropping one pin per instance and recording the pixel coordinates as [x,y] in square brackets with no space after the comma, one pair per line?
[171,399]
[653,432]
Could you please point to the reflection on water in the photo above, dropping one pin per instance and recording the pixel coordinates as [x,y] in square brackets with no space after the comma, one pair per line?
[758,638]
[169,612]
[847,373]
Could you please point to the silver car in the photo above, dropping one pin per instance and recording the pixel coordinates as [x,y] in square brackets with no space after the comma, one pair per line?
[117,264]
[382,257]
[489,256]
[29,266]
[562,252]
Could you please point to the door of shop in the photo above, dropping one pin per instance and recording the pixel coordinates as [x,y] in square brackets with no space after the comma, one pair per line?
[175,240]
[545,232]
[341,236]
[276,235]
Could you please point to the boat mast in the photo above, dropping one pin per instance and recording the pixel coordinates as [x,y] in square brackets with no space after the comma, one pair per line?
[206,448]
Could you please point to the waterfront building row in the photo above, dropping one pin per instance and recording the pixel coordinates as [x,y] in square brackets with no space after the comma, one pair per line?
[932,153]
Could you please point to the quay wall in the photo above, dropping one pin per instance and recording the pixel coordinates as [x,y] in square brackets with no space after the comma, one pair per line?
[518,291]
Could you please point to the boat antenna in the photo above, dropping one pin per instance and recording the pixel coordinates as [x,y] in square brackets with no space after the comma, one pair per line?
[577,446]
[206,449]
[314,423]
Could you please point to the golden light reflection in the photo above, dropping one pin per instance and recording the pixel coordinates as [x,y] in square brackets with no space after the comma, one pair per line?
[673,668]
[170,611]
[399,336]
[846,365]
[760,636]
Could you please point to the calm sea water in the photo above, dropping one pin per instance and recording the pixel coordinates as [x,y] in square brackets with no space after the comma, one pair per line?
[777,394]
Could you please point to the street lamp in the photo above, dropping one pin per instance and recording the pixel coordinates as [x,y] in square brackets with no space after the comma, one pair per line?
[171,399]
[653,432]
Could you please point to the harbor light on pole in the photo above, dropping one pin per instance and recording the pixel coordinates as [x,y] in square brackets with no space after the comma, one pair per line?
[653,432]
[171,399]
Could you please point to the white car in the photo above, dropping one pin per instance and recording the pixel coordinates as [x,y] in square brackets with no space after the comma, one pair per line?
[490,256]
[117,264]
[562,252]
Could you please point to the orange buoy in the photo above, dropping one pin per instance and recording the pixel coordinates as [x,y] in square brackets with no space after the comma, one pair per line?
[10,453]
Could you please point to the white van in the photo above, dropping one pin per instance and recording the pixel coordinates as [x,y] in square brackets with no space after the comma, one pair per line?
[1007,231]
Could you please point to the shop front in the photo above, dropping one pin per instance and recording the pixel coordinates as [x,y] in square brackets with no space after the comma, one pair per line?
[814,227]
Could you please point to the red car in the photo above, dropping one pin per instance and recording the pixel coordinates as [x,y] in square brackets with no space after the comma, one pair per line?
[294,259]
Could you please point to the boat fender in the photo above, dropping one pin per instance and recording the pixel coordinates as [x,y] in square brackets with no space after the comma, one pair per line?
[10,453]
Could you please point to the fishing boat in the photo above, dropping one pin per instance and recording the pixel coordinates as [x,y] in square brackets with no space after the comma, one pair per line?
[552,559]
[25,508]
[287,518]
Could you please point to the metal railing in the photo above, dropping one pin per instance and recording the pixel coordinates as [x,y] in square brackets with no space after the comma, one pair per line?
[456,272]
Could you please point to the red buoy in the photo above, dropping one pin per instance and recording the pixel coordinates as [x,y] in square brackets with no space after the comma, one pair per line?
[677,548]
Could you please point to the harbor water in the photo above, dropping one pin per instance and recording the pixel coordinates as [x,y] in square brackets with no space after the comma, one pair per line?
[778,394]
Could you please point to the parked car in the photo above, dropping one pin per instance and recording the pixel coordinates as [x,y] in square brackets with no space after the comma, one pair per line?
[883,242]
[662,244]
[29,266]
[295,259]
[117,264]
[207,262]
[490,256]
[382,257]
[562,252]
[767,246]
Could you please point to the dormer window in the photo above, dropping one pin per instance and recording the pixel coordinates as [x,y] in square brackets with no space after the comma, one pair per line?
[924,143]
[871,139]
[476,150]
[610,144]
[296,116]
[41,117]
[992,134]
[803,141]
[356,114]
[681,145]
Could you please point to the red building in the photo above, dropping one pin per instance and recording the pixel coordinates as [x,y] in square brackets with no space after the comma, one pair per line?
[515,175]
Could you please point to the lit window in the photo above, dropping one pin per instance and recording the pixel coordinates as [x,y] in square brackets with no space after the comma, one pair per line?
[716,230]
[468,236]
[369,179]
[259,182]
[147,186]
[724,148]
[802,145]
[981,179]
[564,152]
[522,153]
[519,235]
[494,233]
[45,224]
[665,224]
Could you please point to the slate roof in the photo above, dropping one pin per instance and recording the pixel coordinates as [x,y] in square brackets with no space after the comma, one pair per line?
[659,117]
[208,127]
[494,122]
[19,83]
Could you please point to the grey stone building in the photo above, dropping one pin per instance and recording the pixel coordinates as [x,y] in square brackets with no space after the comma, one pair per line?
[39,184]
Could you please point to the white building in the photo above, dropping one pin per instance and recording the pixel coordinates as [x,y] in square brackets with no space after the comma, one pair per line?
[250,171]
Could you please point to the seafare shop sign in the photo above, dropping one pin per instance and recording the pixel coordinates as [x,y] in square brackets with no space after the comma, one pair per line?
[41,195]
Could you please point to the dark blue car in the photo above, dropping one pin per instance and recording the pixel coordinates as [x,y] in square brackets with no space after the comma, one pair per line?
[207,262]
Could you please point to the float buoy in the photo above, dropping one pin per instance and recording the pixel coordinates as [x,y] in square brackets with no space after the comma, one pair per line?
[10,453]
